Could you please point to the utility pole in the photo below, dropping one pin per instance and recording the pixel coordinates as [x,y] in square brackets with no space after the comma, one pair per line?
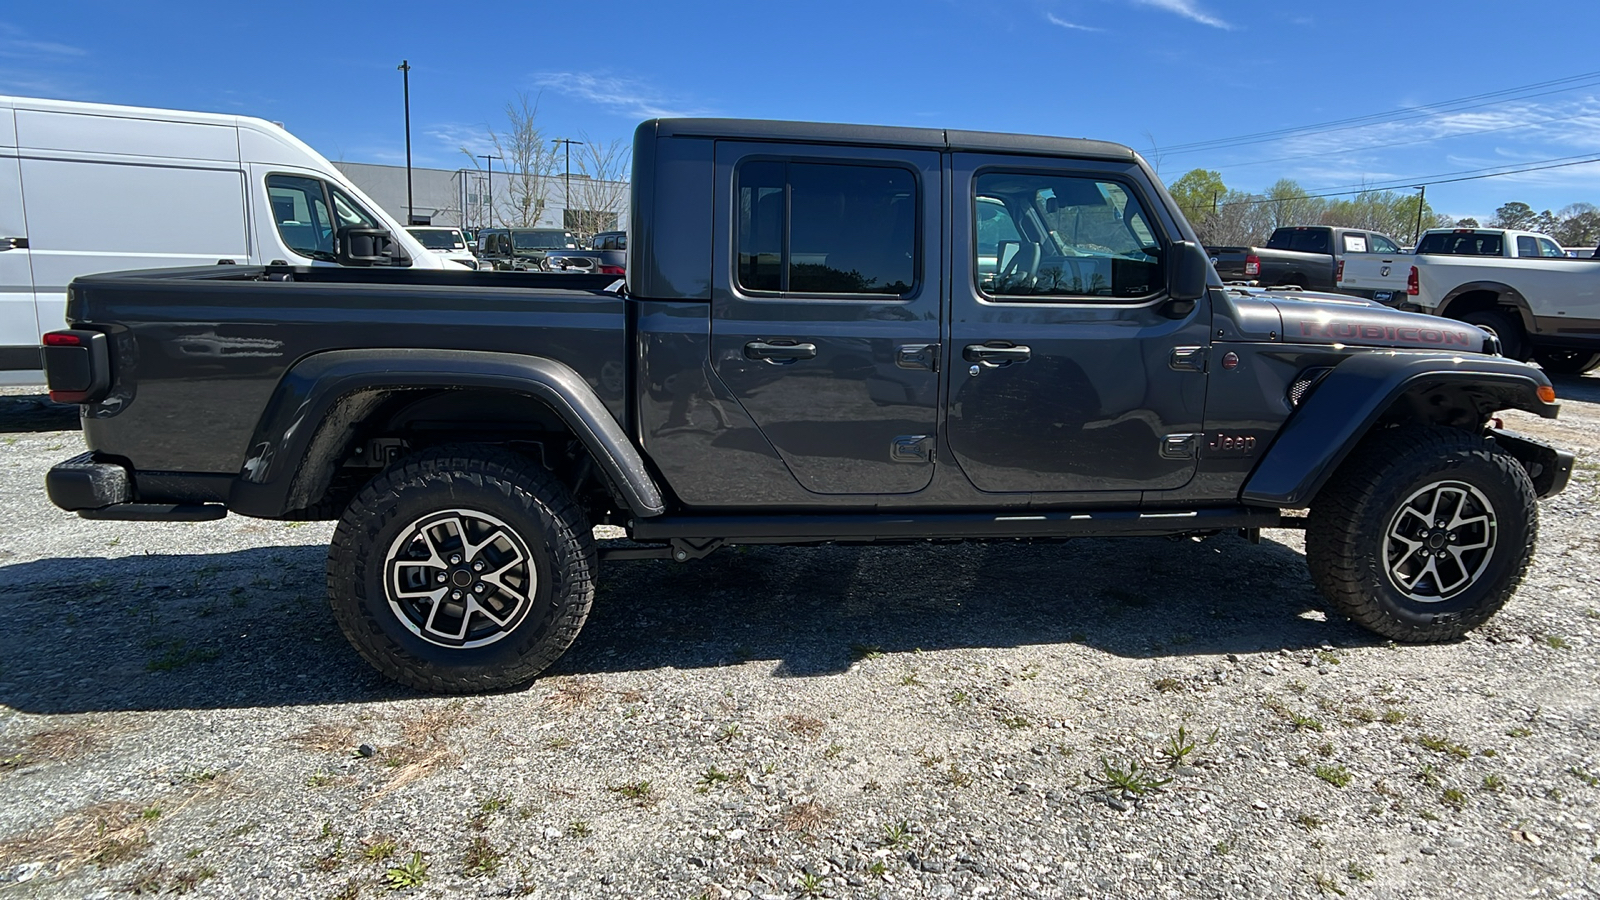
[490,159]
[405,75]
[566,195]
[1421,198]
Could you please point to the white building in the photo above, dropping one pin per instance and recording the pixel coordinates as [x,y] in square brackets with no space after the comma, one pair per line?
[460,197]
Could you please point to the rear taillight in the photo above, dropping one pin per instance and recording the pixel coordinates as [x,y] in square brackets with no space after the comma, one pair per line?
[613,270]
[1338,272]
[1252,265]
[77,366]
[62,339]
[1413,284]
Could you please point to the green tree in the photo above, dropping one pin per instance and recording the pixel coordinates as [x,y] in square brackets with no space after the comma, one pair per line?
[1579,227]
[1198,193]
[1468,222]
[1516,215]
[1291,205]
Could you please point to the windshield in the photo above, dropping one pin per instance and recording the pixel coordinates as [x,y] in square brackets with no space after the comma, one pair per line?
[541,240]
[1461,243]
[439,239]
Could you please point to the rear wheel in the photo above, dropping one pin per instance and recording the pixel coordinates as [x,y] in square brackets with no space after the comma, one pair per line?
[1513,342]
[1567,362]
[1423,534]
[462,569]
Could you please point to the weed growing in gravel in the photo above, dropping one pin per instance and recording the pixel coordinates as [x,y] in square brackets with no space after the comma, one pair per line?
[909,680]
[1493,783]
[859,652]
[350,890]
[1429,776]
[957,778]
[1329,657]
[1326,884]
[1393,716]
[1454,797]
[319,779]
[877,869]
[1584,776]
[1556,642]
[331,860]
[960,698]
[730,731]
[1308,821]
[1338,776]
[481,858]
[1178,748]
[579,829]
[1357,872]
[573,692]
[379,847]
[1015,722]
[1519,732]
[808,884]
[1168,685]
[633,790]
[1223,848]
[807,817]
[711,778]
[833,751]
[1129,781]
[411,873]
[1429,814]
[807,727]
[896,835]
[1440,744]
[151,813]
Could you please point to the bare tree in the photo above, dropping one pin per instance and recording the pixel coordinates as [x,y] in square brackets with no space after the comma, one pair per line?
[599,187]
[528,160]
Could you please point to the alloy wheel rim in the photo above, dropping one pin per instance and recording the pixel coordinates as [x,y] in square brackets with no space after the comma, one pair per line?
[1439,541]
[459,578]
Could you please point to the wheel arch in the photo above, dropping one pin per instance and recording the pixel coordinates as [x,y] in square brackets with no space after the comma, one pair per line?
[1478,296]
[1374,391]
[327,403]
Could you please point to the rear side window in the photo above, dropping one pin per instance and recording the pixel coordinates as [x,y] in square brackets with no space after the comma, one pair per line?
[1355,243]
[826,228]
[1526,246]
[1461,243]
[1063,236]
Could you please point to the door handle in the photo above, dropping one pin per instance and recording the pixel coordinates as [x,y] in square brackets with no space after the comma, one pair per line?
[778,353]
[13,243]
[996,356]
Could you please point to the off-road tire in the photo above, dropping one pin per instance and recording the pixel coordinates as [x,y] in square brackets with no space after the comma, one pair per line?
[538,514]
[1566,362]
[1351,517]
[1506,327]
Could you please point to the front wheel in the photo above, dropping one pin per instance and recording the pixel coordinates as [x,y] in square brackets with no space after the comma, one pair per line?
[1567,362]
[1423,534]
[462,569]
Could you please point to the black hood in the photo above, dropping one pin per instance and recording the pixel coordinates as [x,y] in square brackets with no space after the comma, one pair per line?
[1313,318]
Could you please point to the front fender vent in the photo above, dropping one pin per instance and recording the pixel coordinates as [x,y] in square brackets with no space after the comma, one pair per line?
[1305,382]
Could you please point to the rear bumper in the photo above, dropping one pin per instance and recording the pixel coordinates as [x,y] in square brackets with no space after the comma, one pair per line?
[96,489]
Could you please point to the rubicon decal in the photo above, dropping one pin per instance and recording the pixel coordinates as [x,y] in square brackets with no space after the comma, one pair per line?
[1411,334]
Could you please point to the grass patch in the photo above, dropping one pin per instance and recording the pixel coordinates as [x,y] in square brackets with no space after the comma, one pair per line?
[1129,780]
[411,873]
[633,790]
[808,727]
[1338,776]
[807,817]
[1441,744]
[481,858]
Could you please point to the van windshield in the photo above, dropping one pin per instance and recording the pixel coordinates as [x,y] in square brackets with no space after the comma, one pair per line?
[541,240]
[438,240]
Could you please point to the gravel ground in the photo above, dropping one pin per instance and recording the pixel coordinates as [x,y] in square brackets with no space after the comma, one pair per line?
[178,713]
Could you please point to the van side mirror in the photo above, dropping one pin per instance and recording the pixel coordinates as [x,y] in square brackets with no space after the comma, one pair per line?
[369,247]
[1188,268]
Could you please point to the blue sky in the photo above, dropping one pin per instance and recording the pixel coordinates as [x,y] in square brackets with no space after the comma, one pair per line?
[1153,74]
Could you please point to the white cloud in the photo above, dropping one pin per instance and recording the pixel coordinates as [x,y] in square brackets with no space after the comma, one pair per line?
[1187,9]
[1063,23]
[622,96]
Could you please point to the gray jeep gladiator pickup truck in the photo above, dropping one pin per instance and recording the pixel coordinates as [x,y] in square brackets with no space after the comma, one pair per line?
[828,333]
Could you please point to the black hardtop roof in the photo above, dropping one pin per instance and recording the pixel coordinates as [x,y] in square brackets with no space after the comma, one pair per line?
[888,135]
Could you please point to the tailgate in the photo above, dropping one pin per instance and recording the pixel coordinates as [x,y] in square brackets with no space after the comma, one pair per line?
[1375,272]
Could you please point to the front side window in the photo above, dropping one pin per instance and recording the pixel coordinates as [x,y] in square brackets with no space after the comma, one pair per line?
[1548,248]
[826,228]
[300,210]
[350,213]
[1381,244]
[1069,236]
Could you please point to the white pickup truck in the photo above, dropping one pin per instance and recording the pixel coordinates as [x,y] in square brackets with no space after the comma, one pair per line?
[1522,286]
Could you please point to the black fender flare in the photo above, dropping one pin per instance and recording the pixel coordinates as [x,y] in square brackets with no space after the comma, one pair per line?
[314,387]
[1346,403]
[1509,296]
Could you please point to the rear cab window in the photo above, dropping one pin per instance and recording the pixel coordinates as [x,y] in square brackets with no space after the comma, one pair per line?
[1063,236]
[826,229]
[1461,243]
[1300,240]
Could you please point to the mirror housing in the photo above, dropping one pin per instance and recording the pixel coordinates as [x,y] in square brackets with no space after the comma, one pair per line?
[369,247]
[1188,271]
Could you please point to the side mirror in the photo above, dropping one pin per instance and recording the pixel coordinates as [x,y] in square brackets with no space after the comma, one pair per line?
[369,247]
[1188,268]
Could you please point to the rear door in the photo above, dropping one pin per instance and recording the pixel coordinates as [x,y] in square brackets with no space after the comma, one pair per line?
[825,319]
[1069,372]
[19,324]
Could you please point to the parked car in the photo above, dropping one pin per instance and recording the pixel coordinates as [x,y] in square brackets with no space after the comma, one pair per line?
[1540,302]
[1310,257]
[522,249]
[120,187]
[808,352]
[446,243]
[607,255]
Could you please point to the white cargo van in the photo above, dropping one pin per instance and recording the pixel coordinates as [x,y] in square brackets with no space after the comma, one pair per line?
[86,187]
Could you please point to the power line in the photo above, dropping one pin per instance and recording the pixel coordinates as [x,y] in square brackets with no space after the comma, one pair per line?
[1492,98]
[1558,163]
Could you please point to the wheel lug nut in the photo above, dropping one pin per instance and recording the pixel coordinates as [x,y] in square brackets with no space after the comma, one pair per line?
[481,587]
[455,595]
[441,578]
[477,566]
[455,559]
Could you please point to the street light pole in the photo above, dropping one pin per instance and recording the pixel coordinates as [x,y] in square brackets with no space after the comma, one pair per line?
[405,75]
[566,195]
[1421,198]
[490,160]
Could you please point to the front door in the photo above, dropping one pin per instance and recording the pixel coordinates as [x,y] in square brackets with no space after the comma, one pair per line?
[1069,370]
[19,322]
[825,319]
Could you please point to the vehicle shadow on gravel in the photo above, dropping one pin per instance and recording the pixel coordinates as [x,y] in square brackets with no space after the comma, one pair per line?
[252,628]
[35,413]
